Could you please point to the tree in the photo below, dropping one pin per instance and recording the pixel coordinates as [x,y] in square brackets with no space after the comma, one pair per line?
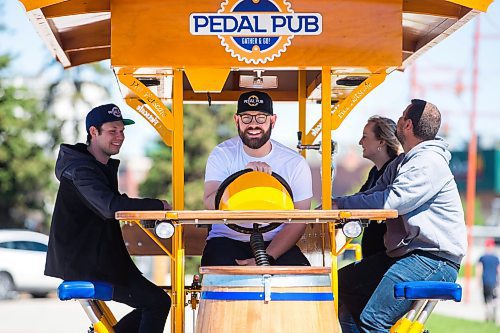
[28,137]
[203,130]
[79,86]
[30,131]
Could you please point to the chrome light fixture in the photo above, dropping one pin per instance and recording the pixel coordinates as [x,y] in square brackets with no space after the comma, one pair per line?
[259,81]
[164,229]
[352,229]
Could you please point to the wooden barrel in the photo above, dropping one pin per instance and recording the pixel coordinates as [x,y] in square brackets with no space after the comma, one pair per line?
[266,299]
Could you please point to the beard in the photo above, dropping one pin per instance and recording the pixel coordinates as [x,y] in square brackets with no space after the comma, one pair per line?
[400,137]
[254,143]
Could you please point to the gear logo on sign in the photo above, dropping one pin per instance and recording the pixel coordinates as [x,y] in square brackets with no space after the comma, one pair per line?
[255,31]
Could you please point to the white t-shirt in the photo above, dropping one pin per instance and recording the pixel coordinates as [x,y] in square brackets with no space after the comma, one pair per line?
[229,157]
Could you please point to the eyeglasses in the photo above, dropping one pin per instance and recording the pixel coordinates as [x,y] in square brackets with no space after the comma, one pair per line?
[259,118]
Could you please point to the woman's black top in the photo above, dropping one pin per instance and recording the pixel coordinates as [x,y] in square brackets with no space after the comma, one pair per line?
[372,241]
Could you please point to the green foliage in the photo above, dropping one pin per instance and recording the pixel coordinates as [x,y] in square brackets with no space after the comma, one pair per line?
[192,265]
[74,84]
[438,324]
[28,136]
[461,272]
[479,218]
[204,128]
[4,61]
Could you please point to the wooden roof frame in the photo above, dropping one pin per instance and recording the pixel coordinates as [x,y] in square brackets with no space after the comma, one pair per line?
[425,24]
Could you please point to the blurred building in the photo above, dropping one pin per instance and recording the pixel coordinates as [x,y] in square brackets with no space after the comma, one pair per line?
[487,182]
[132,172]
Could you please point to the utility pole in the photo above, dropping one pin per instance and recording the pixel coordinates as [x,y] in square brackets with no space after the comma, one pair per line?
[472,161]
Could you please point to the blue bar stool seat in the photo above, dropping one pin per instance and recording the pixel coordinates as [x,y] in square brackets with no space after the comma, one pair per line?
[91,296]
[428,290]
[425,296]
[85,290]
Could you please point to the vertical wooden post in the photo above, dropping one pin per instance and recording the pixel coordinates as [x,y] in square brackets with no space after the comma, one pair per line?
[326,165]
[178,297]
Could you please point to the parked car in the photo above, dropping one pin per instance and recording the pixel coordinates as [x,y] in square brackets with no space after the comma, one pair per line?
[22,261]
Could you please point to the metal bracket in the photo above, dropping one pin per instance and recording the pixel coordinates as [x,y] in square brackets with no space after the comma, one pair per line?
[267,287]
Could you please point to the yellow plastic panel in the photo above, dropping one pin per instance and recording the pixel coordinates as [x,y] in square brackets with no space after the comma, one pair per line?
[207,79]
[402,326]
[159,33]
[256,191]
[481,5]
[36,4]
[416,327]
[102,327]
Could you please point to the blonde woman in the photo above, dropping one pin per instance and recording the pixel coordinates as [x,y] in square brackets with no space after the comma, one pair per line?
[380,146]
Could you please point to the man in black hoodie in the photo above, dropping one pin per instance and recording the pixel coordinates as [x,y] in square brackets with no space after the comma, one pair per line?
[85,241]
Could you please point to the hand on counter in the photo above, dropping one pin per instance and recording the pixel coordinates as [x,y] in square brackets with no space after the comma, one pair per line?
[166,205]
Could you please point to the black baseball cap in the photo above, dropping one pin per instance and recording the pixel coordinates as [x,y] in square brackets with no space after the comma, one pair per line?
[105,114]
[255,101]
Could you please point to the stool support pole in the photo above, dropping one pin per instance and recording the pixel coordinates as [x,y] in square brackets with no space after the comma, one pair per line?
[101,320]
[91,309]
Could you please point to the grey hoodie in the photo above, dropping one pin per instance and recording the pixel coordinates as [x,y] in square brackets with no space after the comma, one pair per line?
[421,187]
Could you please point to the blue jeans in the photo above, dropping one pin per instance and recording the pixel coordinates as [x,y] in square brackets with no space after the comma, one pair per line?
[366,289]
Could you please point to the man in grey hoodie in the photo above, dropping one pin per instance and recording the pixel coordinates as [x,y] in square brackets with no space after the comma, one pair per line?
[426,242]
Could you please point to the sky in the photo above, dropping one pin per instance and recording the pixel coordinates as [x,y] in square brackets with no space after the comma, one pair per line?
[438,74]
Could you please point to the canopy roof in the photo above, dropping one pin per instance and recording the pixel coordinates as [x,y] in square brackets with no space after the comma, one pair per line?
[144,39]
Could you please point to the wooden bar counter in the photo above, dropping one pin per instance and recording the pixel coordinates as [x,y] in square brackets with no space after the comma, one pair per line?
[256,216]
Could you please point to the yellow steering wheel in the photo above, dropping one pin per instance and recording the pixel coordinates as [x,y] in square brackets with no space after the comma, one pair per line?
[254,190]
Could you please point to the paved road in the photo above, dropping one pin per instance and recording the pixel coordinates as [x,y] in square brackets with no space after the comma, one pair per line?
[27,315]
[50,315]
[471,310]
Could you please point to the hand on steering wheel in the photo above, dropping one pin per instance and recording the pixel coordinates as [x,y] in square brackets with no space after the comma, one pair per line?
[246,262]
[259,166]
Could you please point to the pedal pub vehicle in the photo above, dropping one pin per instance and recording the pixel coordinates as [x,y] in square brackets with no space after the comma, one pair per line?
[175,52]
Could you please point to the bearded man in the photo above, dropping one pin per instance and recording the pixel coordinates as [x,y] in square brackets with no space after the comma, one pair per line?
[428,240]
[254,149]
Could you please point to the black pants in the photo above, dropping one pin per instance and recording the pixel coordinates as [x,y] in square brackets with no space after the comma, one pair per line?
[222,251]
[151,304]
[489,292]
[358,281]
